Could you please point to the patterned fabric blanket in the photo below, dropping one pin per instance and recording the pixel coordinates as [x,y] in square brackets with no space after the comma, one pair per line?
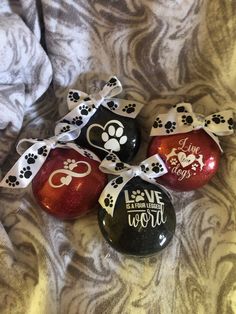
[162,51]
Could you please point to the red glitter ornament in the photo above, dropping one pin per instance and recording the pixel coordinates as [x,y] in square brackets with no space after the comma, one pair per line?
[191,159]
[68,184]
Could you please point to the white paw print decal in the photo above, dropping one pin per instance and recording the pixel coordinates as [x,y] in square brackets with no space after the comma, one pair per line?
[138,196]
[173,161]
[113,138]
[70,164]
[194,166]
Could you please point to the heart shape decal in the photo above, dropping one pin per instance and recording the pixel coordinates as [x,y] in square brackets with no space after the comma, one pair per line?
[111,135]
[66,180]
[185,160]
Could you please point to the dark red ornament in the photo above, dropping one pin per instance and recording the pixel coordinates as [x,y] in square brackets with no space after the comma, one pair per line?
[68,185]
[191,159]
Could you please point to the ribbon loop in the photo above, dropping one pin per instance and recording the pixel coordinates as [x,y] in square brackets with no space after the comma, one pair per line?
[181,119]
[84,106]
[32,159]
[151,168]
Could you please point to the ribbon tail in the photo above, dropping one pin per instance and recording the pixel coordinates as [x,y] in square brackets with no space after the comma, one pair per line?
[112,164]
[77,118]
[111,192]
[122,107]
[75,98]
[27,166]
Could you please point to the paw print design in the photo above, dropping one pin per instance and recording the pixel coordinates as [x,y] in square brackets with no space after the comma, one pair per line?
[111,157]
[194,166]
[217,118]
[12,181]
[70,164]
[87,154]
[117,182]
[138,196]
[25,173]
[119,166]
[129,108]
[111,82]
[112,105]
[173,161]
[144,168]
[170,127]
[180,109]
[187,120]
[231,123]
[31,158]
[156,167]
[74,96]
[207,122]
[113,138]
[87,99]
[108,201]
[43,151]
[65,129]
[84,110]
[77,120]
[157,123]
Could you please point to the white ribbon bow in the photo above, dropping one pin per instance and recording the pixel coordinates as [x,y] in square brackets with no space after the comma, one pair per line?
[149,169]
[28,165]
[84,106]
[182,119]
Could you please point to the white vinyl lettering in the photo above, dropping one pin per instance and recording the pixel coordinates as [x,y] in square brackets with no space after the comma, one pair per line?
[146,211]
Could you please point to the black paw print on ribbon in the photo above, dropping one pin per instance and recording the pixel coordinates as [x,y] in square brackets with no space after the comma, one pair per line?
[117,182]
[25,173]
[87,99]
[180,109]
[65,129]
[43,151]
[217,118]
[207,122]
[74,96]
[156,167]
[111,82]
[231,123]
[129,108]
[31,158]
[112,105]
[77,120]
[87,154]
[157,123]
[108,201]
[119,166]
[84,110]
[111,157]
[144,168]
[12,181]
[187,120]
[170,127]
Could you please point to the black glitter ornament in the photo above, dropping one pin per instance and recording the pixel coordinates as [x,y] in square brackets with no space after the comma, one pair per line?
[109,132]
[143,221]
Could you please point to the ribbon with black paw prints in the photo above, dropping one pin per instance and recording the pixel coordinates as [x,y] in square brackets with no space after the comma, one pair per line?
[181,119]
[32,159]
[149,169]
[84,106]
